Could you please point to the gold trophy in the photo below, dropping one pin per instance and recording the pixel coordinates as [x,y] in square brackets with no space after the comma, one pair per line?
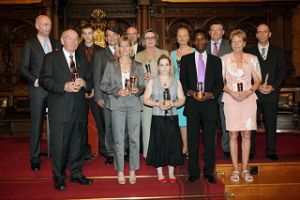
[266,80]
[133,82]
[199,90]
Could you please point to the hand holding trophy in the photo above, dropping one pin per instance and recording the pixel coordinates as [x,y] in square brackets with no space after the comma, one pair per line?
[199,90]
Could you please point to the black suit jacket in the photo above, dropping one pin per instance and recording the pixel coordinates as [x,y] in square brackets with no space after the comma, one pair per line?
[64,106]
[98,65]
[213,83]
[81,50]
[140,48]
[274,66]
[32,58]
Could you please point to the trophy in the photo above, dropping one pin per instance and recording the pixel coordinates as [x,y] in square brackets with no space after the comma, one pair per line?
[127,83]
[240,87]
[133,82]
[266,80]
[74,73]
[148,68]
[199,90]
[178,64]
[166,95]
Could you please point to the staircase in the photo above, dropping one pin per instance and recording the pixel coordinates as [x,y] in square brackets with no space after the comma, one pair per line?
[274,181]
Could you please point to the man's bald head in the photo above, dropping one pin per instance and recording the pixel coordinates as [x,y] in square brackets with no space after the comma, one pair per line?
[43,25]
[69,40]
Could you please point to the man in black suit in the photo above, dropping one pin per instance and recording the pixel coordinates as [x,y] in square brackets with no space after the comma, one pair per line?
[87,49]
[134,36]
[271,62]
[33,53]
[200,67]
[99,63]
[65,74]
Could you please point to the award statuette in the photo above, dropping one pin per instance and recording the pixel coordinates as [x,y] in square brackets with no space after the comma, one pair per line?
[148,68]
[127,83]
[166,95]
[75,74]
[199,90]
[132,82]
[240,87]
[266,80]
[178,64]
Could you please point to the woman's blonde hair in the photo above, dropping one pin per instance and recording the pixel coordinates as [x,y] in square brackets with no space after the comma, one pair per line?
[239,33]
[122,39]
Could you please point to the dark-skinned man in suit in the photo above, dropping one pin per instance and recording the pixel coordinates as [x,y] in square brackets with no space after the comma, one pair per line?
[33,53]
[65,74]
[271,61]
[200,67]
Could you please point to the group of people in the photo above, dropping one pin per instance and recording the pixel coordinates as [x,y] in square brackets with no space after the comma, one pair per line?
[146,100]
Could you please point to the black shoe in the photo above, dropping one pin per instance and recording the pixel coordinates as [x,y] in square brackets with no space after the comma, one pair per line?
[82,180]
[210,178]
[126,158]
[35,167]
[193,178]
[273,157]
[251,156]
[109,160]
[60,185]
[227,155]
[89,157]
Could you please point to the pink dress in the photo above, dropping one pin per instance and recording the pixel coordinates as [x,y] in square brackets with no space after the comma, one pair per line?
[240,116]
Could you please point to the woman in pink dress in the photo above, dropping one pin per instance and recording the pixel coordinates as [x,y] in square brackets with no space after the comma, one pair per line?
[239,99]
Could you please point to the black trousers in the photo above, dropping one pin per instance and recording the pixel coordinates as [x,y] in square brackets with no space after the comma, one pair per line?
[67,146]
[209,132]
[269,111]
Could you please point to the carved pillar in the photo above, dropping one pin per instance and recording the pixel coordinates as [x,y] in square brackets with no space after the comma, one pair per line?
[47,4]
[144,15]
[55,20]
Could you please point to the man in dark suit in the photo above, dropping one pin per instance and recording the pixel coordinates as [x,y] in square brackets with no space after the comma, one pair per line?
[219,46]
[134,36]
[99,63]
[33,53]
[200,67]
[86,49]
[65,74]
[271,62]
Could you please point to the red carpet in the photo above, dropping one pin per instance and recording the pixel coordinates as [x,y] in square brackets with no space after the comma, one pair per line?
[17,181]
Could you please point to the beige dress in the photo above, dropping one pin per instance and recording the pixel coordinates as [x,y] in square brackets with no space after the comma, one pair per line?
[240,116]
[147,111]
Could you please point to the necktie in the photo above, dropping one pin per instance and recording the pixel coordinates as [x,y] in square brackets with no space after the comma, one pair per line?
[72,65]
[263,53]
[215,50]
[88,53]
[201,71]
[46,47]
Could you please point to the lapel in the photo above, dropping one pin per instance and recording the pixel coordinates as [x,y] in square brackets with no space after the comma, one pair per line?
[109,54]
[53,45]
[208,47]
[221,48]
[64,65]
[193,72]
[38,45]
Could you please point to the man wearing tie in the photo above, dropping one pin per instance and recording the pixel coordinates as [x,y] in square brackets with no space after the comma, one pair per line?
[98,64]
[133,35]
[219,46]
[273,71]
[201,72]
[87,49]
[33,53]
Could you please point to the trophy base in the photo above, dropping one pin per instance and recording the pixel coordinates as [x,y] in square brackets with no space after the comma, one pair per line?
[199,95]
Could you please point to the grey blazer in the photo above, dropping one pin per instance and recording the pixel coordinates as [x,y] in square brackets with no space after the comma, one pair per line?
[224,48]
[112,83]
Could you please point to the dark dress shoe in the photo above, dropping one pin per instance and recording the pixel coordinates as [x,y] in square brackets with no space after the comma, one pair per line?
[82,180]
[273,157]
[60,185]
[251,156]
[109,160]
[210,178]
[227,155]
[193,178]
[35,167]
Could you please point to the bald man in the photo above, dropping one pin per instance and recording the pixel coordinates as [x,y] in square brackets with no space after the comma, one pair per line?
[67,108]
[33,53]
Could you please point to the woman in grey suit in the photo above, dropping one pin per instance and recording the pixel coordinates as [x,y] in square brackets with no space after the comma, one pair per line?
[123,81]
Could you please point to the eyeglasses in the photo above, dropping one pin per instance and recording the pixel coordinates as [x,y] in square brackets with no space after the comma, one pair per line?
[149,38]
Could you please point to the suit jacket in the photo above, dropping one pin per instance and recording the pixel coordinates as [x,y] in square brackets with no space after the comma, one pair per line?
[140,48]
[112,83]
[32,58]
[224,48]
[64,106]
[82,48]
[213,83]
[98,64]
[274,66]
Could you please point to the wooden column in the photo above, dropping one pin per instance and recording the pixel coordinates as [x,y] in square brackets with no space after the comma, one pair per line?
[55,20]
[144,15]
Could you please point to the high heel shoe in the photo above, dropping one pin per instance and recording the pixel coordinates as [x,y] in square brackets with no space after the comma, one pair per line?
[163,180]
[121,178]
[132,177]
